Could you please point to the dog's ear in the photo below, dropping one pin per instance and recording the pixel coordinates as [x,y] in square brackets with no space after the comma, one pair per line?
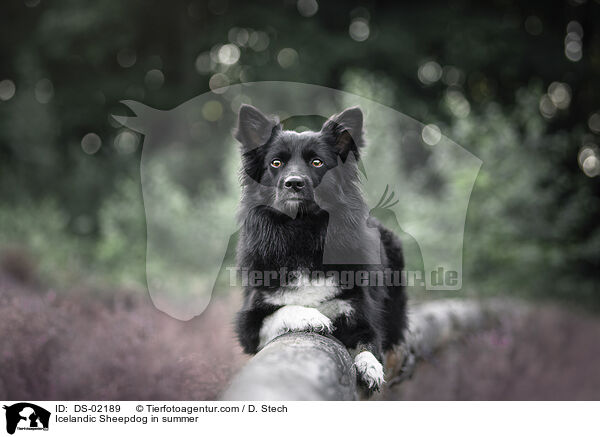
[254,128]
[345,130]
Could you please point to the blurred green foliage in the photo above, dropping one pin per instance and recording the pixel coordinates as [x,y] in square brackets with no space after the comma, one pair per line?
[514,83]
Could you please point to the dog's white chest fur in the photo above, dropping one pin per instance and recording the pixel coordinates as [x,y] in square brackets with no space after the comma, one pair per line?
[307,306]
[313,294]
[305,292]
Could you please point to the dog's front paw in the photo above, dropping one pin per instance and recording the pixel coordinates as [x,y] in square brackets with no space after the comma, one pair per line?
[293,318]
[309,319]
[369,370]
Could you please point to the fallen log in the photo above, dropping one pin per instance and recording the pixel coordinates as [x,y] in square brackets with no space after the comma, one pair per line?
[309,366]
[297,366]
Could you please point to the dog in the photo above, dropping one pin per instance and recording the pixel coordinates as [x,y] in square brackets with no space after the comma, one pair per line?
[301,213]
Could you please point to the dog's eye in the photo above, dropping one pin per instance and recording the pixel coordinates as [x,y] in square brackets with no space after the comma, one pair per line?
[276,163]
[317,163]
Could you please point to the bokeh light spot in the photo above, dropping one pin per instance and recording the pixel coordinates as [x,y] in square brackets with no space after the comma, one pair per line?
[307,8]
[431,134]
[91,143]
[547,108]
[573,45]
[452,76]
[126,58]
[44,91]
[594,122]
[204,63]
[560,94]
[585,152]
[575,27]
[229,54]
[212,110]
[126,142]
[591,166]
[7,89]
[239,36]
[154,79]
[287,57]
[258,41]
[359,29]
[429,72]
[457,103]
[218,83]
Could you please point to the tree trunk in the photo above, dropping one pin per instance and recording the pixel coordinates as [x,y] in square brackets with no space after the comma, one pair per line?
[308,366]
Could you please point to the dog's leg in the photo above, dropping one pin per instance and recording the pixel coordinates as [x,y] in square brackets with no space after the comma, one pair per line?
[250,319]
[369,370]
[248,326]
[362,335]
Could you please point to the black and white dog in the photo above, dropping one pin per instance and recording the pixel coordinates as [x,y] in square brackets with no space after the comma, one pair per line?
[304,226]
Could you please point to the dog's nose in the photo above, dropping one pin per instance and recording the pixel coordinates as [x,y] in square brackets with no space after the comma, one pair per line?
[295,183]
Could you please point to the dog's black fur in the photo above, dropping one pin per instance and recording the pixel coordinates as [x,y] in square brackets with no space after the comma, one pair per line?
[322,211]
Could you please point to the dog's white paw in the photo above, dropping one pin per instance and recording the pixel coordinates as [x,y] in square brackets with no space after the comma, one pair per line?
[369,370]
[293,318]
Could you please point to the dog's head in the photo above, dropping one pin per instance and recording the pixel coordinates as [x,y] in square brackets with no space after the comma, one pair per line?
[299,172]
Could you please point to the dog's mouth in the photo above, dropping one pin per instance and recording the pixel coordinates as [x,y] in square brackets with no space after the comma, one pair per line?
[283,198]
[295,204]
